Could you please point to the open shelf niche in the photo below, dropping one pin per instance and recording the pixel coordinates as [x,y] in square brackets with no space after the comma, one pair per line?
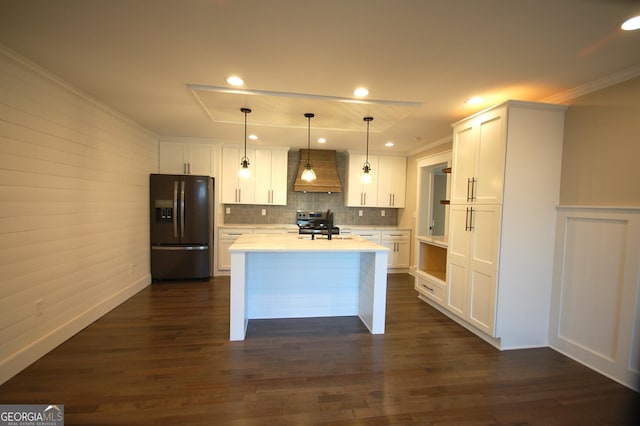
[432,257]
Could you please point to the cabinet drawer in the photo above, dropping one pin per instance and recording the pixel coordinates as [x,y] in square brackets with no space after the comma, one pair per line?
[233,233]
[368,234]
[397,234]
[269,231]
[431,289]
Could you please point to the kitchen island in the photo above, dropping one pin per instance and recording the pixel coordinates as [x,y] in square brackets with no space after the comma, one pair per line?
[289,276]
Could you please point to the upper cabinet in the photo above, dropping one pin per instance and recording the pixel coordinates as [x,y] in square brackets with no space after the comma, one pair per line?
[236,190]
[478,158]
[267,183]
[391,181]
[182,158]
[387,186]
[361,194]
[271,176]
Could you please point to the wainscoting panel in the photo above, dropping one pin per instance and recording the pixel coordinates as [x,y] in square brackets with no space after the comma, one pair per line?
[595,299]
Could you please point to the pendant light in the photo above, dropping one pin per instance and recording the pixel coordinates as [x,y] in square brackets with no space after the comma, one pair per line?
[244,171]
[366,167]
[308,174]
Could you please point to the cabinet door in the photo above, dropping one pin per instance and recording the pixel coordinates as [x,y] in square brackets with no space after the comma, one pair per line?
[224,257]
[279,165]
[391,181]
[483,266]
[490,158]
[271,176]
[403,254]
[479,147]
[458,259]
[262,171]
[230,166]
[462,163]
[360,194]
[236,190]
[172,158]
[199,159]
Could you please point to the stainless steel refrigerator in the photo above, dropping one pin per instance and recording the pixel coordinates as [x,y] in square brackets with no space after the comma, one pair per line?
[181,226]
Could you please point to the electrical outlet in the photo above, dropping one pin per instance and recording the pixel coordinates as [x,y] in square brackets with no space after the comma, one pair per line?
[227,210]
[382,213]
[359,212]
[37,307]
[131,268]
[264,212]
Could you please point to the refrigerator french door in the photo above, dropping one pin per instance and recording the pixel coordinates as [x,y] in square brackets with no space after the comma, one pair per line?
[180,226]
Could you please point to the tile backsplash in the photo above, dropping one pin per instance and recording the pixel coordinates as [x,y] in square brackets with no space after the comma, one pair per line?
[252,214]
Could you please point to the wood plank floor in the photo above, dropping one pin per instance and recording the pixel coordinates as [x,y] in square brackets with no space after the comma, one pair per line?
[163,357]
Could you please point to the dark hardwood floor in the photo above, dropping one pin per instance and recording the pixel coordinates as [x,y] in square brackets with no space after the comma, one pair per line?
[163,358]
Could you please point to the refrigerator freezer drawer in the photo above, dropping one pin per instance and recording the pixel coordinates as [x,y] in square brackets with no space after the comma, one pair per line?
[179,262]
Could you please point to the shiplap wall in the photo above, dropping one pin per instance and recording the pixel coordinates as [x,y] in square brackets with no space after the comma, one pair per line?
[74,223]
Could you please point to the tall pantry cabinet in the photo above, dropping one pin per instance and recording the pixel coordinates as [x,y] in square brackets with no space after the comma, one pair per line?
[505,186]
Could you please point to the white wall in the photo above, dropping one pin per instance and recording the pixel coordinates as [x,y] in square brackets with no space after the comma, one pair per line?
[74,221]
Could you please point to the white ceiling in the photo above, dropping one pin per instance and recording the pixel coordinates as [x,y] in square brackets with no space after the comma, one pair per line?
[163,63]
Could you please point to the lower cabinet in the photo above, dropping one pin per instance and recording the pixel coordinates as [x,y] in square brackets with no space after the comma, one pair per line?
[399,244]
[226,237]
[398,241]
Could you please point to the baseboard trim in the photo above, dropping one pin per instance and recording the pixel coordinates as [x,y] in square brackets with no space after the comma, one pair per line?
[21,359]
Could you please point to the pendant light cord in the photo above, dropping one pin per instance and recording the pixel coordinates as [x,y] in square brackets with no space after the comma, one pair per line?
[246,111]
[309,115]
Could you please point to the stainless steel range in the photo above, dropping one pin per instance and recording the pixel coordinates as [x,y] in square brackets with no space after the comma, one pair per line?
[316,223]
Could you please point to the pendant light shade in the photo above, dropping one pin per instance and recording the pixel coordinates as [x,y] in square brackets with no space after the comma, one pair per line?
[244,171]
[366,167]
[308,174]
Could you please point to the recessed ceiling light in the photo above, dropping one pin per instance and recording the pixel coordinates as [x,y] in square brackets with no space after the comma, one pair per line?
[361,92]
[631,24]
[475,100]
[321,140]
[253,137]
[388,143]
[234,80]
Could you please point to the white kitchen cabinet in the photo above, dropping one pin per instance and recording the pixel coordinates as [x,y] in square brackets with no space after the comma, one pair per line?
[271,176]
[185,158]
[361,194]
[473,263]
[398,241]
[226,237]
[236,190]
[478,158]
[387,186]
[399,244]
[505,188]
[391,181]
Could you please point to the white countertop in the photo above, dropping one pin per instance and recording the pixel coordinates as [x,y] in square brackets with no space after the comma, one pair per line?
[303,243]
